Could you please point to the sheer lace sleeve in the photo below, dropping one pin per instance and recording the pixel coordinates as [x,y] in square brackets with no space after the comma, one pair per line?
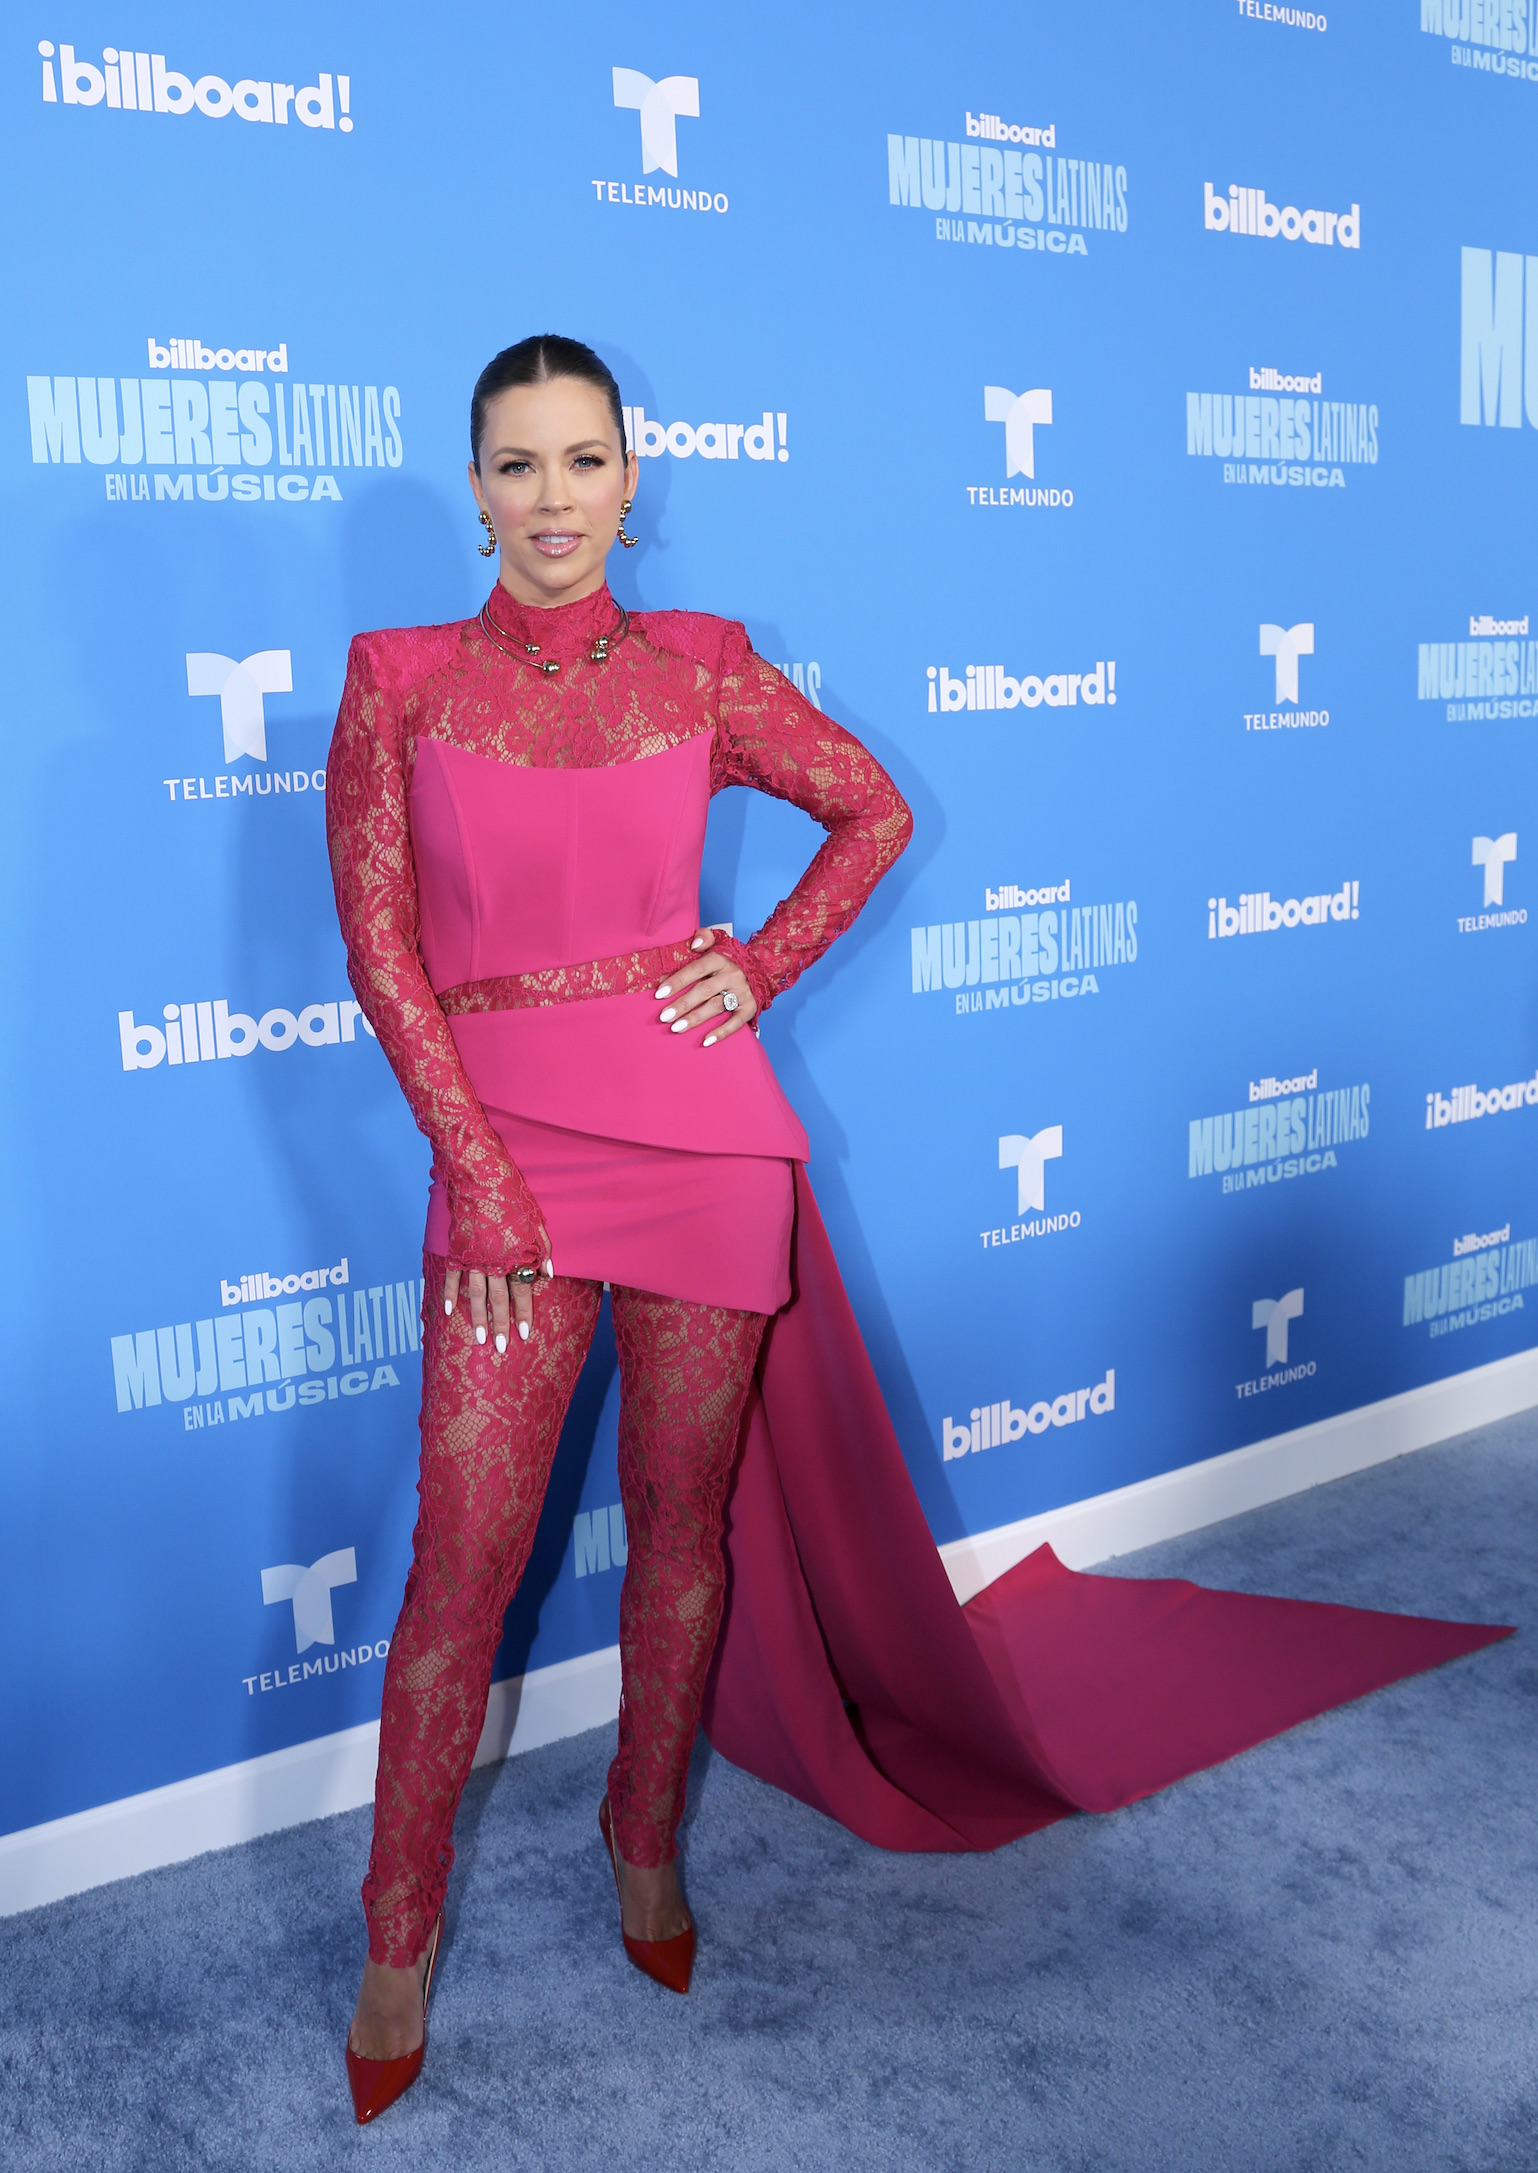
[771,737]
[494,1219]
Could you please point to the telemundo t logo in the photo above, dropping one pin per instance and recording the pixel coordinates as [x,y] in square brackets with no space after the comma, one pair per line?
[1022,414]
[1284,645]
[240,686]
[660,104]
[1276,1316]
[310,1590]
[1028,1158]
[1494,855]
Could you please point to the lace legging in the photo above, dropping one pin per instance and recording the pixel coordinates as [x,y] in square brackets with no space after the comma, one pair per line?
[490,1427]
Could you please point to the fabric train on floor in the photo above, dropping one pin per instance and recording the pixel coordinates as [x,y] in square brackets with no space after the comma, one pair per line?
[851,1677]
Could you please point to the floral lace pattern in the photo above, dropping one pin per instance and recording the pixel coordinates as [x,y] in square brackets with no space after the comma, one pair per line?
[675,675]
[490,1427]
[685,1371]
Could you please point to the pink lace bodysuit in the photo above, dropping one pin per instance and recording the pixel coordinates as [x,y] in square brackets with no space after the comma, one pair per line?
[516,855]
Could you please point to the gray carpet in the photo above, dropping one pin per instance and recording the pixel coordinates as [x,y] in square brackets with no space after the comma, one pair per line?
[1321,1955]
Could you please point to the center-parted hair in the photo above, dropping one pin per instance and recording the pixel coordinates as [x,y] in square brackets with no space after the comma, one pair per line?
[535,361]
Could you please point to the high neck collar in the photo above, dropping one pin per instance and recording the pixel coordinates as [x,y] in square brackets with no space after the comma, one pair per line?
[562,631]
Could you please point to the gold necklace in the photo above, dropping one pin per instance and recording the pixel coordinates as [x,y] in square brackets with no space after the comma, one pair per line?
[529,650]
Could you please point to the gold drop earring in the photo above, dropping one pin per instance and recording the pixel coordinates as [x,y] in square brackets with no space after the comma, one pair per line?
[629,542]
[488,549]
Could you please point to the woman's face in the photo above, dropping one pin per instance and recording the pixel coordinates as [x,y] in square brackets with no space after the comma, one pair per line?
[552,479]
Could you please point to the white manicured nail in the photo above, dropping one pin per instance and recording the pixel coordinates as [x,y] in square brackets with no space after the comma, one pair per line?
[698,944]
[679,1026]
[708,1042]
[550,1267]
[448,1305]
[480,1335]
[523,1330]
[664,992]
[668,1014]
[501,1343]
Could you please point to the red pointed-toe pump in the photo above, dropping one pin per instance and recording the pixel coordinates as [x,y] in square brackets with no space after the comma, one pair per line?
[668,1962]
[376,2084]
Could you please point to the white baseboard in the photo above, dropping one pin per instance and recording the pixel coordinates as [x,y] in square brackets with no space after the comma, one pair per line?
[1224,1486]
[336,1772]
[284,1788]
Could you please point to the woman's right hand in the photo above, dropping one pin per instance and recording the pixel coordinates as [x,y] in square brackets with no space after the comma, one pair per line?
[498,1302]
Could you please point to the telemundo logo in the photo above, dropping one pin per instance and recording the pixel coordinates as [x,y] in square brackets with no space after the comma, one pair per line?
[1022,414]
[1494,856]
[1247,211]
[1285,645]
[660,104]
[131,82]
[992,1425]
[1275,1316]
[1028,1156]
[1026,199]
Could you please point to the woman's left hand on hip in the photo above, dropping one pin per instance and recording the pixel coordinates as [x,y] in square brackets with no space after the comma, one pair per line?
[709,992]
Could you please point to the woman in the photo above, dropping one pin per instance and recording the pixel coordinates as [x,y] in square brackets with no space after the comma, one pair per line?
[516,810]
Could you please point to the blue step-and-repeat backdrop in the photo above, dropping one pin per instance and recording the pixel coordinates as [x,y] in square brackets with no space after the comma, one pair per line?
[1116,416]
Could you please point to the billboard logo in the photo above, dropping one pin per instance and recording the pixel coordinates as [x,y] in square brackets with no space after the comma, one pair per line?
[994,1424]
[142,83]
[1464,1103]
[1258,913]
[1246,211]
[240,687]
[990,686]
[1274,1315]
[310,1591]
[204,1032]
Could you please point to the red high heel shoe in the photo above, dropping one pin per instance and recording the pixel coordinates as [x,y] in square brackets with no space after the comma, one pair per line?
[668,1962]
[376,2084]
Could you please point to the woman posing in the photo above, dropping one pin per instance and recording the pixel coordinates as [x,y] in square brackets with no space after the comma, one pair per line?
[516,811]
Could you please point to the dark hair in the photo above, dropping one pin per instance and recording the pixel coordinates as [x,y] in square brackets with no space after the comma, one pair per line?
[535,361]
